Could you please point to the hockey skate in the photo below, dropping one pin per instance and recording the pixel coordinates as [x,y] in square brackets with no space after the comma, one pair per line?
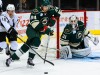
[8,62]
[30,62]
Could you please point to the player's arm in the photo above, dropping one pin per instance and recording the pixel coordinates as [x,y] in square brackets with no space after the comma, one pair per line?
[64,40]
[53,10]
[8,27]
[39,25]
[54,13]
[16,21]
[87,33]
[57,12]
[34,20]
[91,37]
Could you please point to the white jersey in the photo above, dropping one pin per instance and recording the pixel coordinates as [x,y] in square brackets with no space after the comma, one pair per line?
[6,22]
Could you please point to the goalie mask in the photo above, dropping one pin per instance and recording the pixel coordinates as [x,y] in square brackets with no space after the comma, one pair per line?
[73,21]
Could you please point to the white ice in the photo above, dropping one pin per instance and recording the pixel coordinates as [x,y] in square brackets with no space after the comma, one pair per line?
[62,67]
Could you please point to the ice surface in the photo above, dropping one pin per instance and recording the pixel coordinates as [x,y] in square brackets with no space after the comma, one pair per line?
[62,67]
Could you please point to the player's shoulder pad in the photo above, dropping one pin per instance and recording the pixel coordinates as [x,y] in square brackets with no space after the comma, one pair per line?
[35,11]
[3,14]
[67,28]
[80,23]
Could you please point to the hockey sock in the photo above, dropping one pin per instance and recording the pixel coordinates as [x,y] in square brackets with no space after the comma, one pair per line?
[31,55]
[20,52]
[31,52]
[12,51]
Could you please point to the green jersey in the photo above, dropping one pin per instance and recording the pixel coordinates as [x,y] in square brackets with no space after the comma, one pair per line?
[44,18]
[73,37]
[39,22]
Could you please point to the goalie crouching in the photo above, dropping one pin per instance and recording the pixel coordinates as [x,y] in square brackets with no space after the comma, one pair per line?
[74,40]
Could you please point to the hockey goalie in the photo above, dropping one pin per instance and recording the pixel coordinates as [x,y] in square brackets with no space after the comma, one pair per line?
[74,40]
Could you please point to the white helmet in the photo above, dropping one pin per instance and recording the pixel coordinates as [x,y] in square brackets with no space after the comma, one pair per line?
[10,7]
[1,3]
[72,19]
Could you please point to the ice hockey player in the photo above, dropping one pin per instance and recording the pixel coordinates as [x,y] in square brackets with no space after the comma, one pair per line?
[40,20]
[8,24]
[74,39]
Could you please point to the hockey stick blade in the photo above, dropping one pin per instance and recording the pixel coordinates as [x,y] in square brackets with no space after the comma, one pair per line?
[36,52]
[96,57]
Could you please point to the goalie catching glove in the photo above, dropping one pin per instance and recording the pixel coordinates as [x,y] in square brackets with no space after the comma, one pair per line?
[12,32]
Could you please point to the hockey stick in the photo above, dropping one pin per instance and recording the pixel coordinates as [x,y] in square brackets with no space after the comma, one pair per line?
[92,40]
[90,57]
[36,52]
[47,47]
[52,28]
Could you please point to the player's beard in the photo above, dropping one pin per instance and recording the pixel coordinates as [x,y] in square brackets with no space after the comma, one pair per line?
[11,15]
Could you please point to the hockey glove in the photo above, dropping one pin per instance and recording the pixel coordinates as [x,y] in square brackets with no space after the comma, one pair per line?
[12,31]
[58,12]
[49,32]
[52,21]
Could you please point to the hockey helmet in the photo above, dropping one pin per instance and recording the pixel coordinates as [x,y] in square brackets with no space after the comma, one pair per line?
[73,20]
[45,3]
[10,7]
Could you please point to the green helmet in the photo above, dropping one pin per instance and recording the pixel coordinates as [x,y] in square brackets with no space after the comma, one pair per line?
[45,2]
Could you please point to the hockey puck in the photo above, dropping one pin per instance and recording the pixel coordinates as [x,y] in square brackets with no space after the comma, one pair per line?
[45,72]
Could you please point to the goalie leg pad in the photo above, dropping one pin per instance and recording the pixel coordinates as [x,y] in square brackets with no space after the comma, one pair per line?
[81,52]
[65,52]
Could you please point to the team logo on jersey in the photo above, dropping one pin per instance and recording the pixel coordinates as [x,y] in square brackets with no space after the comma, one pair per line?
[44,20]
[79,35]
[66,31]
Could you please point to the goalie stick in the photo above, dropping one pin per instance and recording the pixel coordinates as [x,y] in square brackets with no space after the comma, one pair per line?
[36,52]
[93,40]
